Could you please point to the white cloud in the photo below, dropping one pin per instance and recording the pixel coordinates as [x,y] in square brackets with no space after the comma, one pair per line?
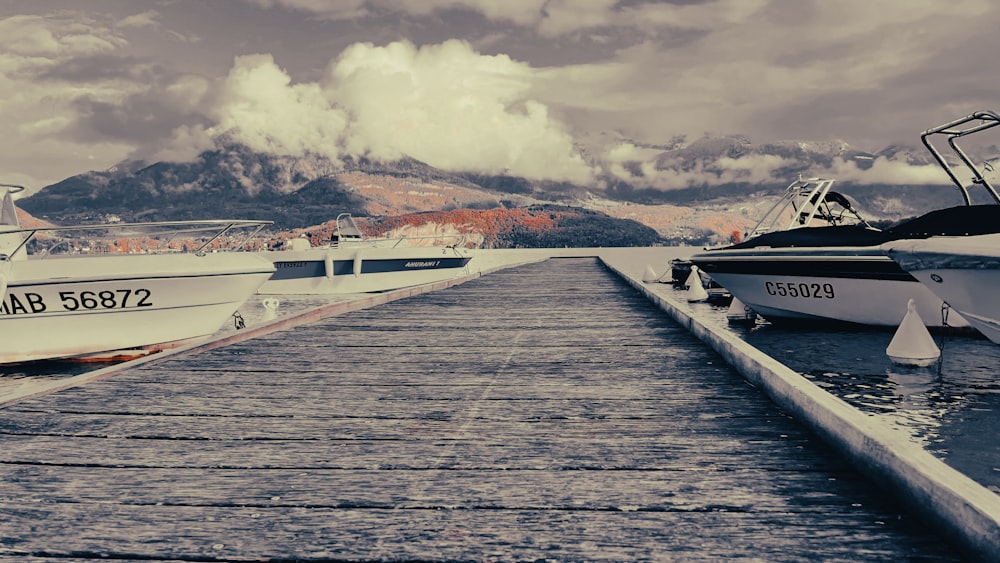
[628,152]
[145,19]
[185,144]
[31,39]
[755,168]
[657,172]
[269,114]
[751,169]
[451,107]
[885,171]
[445,105]
[38,108]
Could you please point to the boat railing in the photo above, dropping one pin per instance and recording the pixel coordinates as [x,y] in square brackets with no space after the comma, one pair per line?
[403,242]
[349,235]
[192,236]
[808,203]
[953,131]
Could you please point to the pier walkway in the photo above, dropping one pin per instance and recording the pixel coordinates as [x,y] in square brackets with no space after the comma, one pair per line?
[545,412]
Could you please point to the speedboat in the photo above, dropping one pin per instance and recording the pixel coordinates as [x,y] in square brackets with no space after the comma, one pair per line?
[352,263]
[842,272]
[962,271]
[77,293]
[806,203]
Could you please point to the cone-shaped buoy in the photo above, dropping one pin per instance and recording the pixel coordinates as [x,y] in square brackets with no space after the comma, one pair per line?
[912,344]
[650,275]
[270,308]
[739,313]
[696,291]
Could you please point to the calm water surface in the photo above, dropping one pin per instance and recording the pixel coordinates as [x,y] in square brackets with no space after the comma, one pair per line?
[951,409]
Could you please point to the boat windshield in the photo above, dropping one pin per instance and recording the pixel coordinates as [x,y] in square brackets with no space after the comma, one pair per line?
[348,234]
[347,229]
[10,239]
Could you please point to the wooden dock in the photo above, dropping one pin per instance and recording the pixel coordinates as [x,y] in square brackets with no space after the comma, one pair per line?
[547,412]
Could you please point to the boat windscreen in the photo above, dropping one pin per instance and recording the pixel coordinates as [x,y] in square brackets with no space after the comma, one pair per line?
[834,197]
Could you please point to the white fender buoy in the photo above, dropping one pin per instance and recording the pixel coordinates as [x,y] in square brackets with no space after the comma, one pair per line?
[328,265]
[650,275]
[694,278]
[300,243]
[739,313]
[696,291]
[357,264]
[912,344]
[270,308]
[5,268]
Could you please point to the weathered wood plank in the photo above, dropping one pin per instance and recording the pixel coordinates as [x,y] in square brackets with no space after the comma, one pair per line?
[541,453]
[567,489]
[444,533]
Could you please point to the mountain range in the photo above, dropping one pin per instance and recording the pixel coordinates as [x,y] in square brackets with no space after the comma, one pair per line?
[624,208]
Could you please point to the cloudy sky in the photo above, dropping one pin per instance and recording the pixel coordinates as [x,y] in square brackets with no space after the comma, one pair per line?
[512,86]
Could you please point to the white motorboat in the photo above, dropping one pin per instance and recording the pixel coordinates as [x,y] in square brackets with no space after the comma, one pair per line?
[962,271]
[806,203]
[74,292]
[842,272]
[352,263]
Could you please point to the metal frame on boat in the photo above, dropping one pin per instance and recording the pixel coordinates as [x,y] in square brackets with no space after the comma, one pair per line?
[63,298]
[806,203]
[842,272]
[964,271]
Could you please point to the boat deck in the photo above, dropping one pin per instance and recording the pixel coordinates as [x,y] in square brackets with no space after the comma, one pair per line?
[546,412]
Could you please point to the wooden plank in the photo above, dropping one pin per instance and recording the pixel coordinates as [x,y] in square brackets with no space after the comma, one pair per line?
[446,533]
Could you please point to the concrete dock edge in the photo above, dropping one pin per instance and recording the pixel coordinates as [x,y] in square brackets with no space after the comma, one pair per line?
[945,497]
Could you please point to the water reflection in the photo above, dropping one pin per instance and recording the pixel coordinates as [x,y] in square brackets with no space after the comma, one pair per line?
[47,370]
[951,409]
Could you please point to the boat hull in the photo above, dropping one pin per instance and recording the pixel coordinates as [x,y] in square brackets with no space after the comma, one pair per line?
[362,270]
[121,302]
[962,271]
[847,285]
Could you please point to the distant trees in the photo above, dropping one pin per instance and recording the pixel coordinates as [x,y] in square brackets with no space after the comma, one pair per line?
[544,226]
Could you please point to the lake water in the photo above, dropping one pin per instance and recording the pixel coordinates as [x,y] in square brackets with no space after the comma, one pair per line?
[951,409]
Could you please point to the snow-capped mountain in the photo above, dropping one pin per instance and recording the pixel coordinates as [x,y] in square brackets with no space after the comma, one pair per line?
[685,190]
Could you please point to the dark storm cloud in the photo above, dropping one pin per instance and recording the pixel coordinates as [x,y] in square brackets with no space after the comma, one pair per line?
[98,67]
